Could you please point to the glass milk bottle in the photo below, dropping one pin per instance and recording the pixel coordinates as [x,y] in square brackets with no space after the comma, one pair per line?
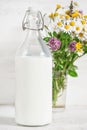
[33,65]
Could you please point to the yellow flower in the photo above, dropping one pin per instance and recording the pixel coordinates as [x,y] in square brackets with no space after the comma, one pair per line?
[83,22]
[80,50]
[51,15]
[78,46]
[80,34]
[85,16]
[55,14]
[75,14]
[84,29]
[72,23]
[66,27]
[75,3]
[58,6]
[67,16]
[67,12]
[59,23]
[76,11]
[77,28]
[61,16]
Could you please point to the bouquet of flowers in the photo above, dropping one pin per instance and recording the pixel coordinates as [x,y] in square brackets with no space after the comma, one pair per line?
[66,36]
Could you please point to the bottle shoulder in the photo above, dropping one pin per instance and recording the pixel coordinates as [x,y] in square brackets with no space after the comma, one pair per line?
[33,45]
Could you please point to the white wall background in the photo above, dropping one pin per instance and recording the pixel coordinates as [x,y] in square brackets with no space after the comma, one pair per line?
[11,35]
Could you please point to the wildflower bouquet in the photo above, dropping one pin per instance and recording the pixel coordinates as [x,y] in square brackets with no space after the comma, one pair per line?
[66,35]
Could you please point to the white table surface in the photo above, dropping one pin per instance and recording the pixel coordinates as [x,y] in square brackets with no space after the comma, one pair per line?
[73,118]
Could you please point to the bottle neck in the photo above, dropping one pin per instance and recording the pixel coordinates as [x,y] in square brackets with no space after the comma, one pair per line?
[35,42]
[33,32]
[34,45]
[33,36]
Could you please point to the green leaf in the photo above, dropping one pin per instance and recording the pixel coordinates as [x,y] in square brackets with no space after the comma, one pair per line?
[76,39]
[50,34]
[72,73]
[85,49]
[55,34]
[75,66]
[46,39]
[46,27]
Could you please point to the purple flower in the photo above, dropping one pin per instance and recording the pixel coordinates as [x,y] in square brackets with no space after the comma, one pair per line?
[72,46]
[54,44]
[80,11]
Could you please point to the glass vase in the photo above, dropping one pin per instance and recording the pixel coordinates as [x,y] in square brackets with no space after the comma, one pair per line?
[59,89]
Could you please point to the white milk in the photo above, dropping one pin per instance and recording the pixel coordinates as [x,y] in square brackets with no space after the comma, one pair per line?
[33,90]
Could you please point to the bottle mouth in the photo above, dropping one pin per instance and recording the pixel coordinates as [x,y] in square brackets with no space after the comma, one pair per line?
[33,20]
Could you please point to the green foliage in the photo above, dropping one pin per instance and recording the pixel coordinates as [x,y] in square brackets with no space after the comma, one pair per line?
[64,60]
[85,47]
[50,34]
[55,34]
[76,39]
[46,39]
[64,37]
[72,73]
